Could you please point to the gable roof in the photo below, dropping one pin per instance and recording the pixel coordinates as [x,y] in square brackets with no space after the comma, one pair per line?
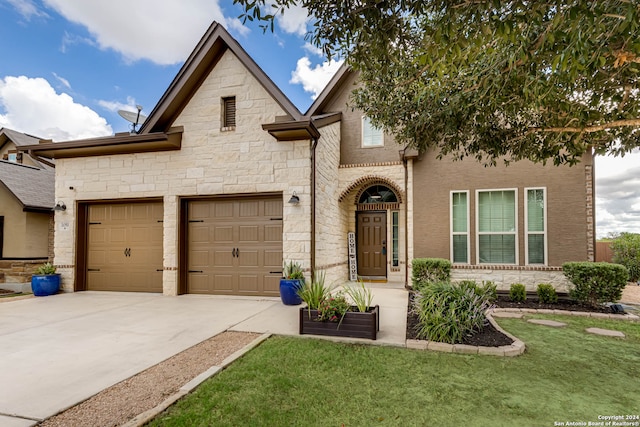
[329,91]
[215,42]
[34,188]
[20,139]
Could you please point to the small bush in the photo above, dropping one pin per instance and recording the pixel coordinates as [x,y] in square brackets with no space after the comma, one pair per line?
[488,290]
[430,270]
[449,312]
[46,269]
[517,292]
[626,251]
[547,293]
[596,282]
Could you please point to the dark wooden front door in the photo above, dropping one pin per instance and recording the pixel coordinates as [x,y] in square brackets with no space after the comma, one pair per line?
[372,244]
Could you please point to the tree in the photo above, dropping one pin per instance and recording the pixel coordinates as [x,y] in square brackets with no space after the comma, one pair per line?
[492,79]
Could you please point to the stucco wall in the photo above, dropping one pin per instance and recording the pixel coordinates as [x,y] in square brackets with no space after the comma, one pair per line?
[567,228]
[25,233]
[211,162]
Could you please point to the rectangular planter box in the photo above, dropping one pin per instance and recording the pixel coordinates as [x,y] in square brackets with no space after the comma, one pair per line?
[354,324]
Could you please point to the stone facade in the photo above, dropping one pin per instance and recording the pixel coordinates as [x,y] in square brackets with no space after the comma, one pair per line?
[211,162]
[504,277]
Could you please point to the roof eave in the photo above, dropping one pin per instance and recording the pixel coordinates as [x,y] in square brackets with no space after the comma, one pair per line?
[292,130]
[117,144]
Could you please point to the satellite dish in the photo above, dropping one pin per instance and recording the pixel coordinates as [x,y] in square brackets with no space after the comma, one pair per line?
[134,118]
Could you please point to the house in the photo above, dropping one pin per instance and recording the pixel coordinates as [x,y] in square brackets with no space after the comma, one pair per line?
[226,180]
[26,209]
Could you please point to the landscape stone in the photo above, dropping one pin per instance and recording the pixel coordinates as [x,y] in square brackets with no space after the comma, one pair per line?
[551,323]
[605,332]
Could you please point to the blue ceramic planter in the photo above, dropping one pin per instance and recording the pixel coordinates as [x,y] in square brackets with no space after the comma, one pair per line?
[43,285]
[289,291]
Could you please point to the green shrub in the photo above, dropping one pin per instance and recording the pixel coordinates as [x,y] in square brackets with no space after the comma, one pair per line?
[517,292]
[596,282]
[448,312]
[626,251]
[488,290]
[314,292]
[46,269]
[547,293]
[430,270]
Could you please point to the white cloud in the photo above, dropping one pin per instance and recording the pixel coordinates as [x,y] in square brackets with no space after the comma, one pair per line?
[294,20]
[32,106]
[27,9]
[62,80]
[313,49]
[114,106]
[617,194]
[314,80]
[163,32]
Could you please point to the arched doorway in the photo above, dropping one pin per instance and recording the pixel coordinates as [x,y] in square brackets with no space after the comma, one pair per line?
[374,202]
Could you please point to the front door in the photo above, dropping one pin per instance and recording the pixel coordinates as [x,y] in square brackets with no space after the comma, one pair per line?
[372,244]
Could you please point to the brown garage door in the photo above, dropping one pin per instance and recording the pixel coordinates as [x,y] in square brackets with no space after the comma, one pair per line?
[125,247]
[235,246]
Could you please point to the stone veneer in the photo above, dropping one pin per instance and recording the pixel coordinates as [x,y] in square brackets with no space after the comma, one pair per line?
[505,276]
[211,162]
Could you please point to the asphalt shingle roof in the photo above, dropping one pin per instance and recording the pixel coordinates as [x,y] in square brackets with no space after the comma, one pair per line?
[33,187]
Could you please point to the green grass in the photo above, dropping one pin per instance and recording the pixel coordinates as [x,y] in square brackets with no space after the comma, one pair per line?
[565,375]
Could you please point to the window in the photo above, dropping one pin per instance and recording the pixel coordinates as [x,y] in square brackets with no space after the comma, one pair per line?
[536,226]
[13,157]
[371,136]
[460,227]
[378,194]
[497,227]
[229,113]
[394,237]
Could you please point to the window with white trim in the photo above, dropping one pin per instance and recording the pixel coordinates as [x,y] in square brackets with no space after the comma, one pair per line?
[496,219]
[460,227]
[371,136]
[535,218]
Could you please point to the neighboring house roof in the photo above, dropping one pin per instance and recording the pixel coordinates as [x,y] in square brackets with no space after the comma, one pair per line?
[20,139]
[34,188]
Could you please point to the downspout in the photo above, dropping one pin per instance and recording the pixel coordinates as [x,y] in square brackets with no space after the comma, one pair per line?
[406,220]
[314,145]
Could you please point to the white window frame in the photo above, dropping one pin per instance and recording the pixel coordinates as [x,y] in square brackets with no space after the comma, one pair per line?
[526,225]
[366,122]
[478,233]
[459,233]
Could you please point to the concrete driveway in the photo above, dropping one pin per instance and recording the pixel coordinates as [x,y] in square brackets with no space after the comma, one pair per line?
[58,351]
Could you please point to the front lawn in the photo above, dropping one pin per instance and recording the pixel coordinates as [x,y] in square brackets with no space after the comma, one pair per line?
[566,375]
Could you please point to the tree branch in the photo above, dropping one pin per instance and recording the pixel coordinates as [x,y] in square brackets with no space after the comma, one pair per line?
[590,129]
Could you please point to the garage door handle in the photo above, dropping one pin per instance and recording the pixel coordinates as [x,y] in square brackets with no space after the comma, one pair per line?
[195,271]
[127,252]
[93,269]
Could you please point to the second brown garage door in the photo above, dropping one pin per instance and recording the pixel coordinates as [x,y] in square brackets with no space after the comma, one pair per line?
[235,246]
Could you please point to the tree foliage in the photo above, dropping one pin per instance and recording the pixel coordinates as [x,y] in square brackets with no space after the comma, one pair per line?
[489,79]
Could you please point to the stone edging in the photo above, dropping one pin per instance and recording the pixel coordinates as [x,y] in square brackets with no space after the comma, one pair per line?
[518,347]
[150,414]
[515,349]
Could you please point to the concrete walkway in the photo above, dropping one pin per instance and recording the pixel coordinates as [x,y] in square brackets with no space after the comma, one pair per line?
[58,351]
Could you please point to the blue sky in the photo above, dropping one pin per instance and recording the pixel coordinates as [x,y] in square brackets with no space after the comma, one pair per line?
[67,66]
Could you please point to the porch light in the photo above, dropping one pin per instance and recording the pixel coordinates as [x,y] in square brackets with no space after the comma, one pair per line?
[294,200]
[60,206]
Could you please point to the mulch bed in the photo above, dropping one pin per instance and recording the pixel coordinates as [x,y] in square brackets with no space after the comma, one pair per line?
[490,336]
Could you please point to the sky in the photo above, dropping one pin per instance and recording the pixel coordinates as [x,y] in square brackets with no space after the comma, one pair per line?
[68,66]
